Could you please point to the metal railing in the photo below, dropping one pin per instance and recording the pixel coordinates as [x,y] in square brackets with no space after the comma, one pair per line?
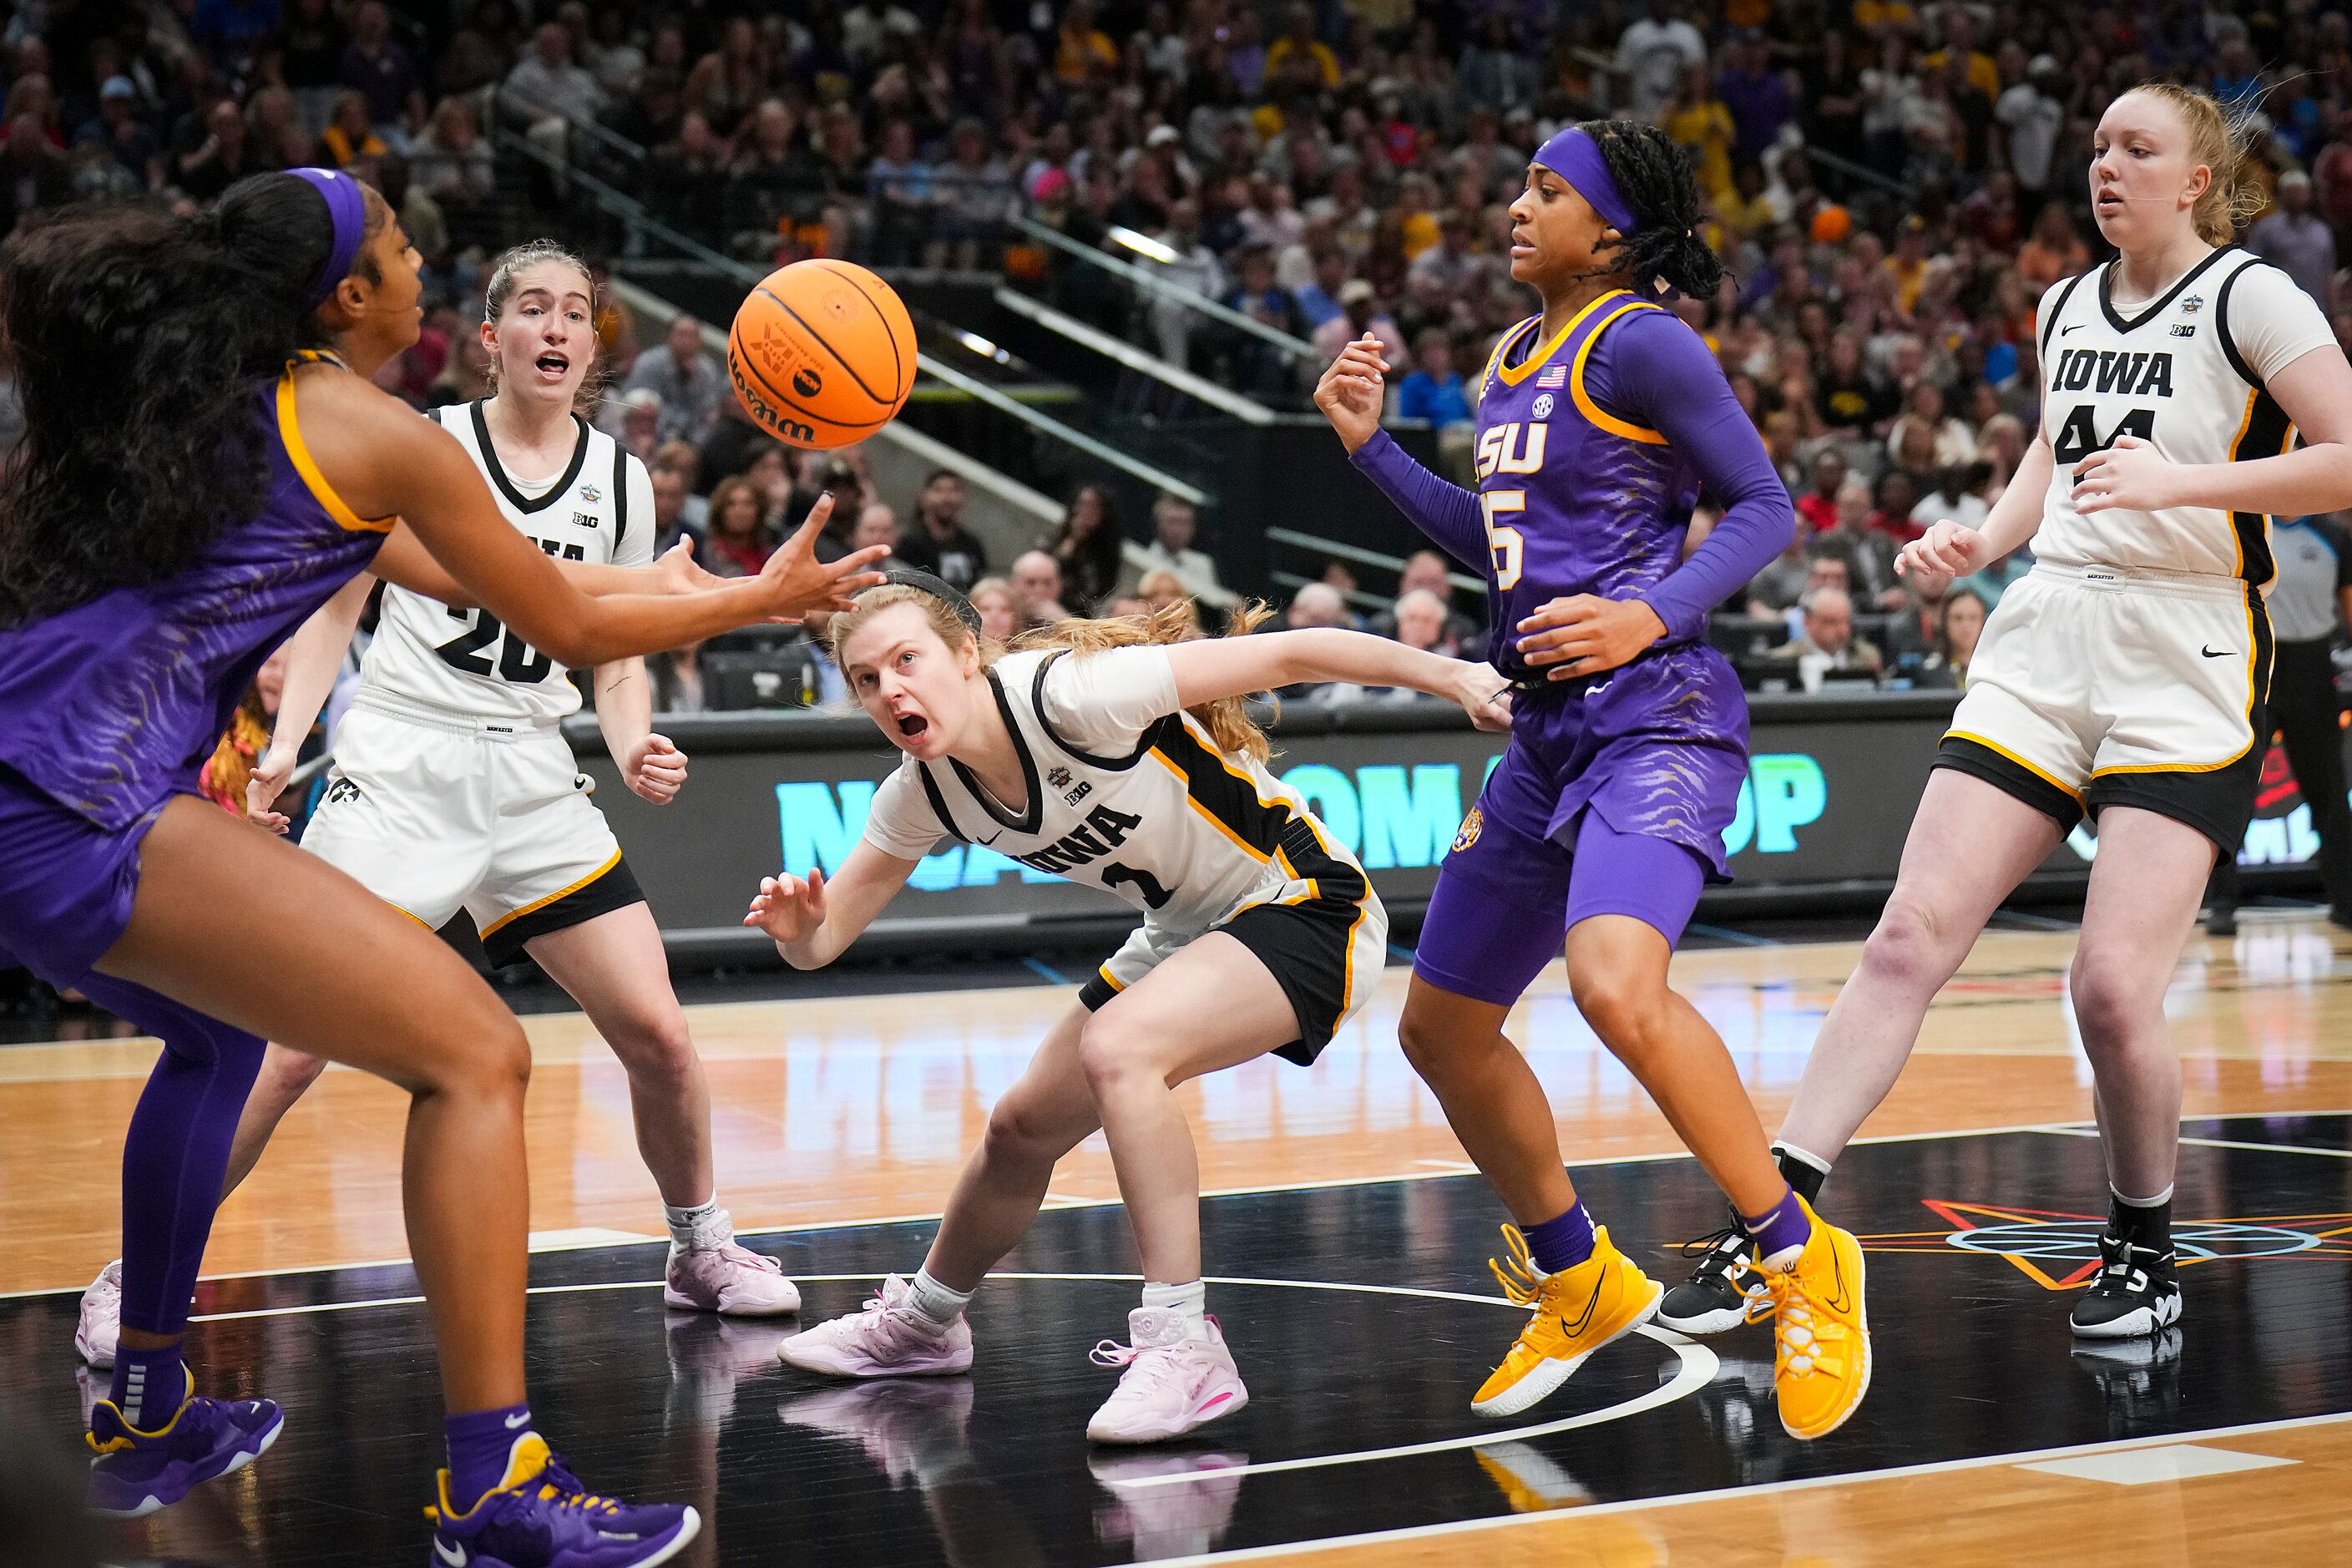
[1162,288]
[1248,410]
[1363,557]
[632,213]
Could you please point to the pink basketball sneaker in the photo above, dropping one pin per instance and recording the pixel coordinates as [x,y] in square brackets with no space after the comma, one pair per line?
[714,1275]
[888,1338]
[1177,1376]
[101,1318]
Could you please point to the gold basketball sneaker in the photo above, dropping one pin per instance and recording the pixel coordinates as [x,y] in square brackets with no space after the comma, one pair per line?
[1821,1340]
[1575,1312]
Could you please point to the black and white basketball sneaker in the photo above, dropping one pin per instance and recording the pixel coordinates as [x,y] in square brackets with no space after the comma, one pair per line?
[2134,1294]
[1723,1292]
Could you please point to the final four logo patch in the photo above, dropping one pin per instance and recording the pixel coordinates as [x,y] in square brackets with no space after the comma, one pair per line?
[1471,824]
[2190,305]
[591,494]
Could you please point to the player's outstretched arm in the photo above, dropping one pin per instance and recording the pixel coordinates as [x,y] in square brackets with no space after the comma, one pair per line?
[814,921]
[1235,666]
[406,562]
[383,461]
[314,656]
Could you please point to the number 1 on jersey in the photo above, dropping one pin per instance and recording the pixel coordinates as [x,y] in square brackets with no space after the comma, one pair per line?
[1505,549]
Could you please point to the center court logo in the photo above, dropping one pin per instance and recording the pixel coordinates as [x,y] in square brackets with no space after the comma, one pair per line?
[2060,1251]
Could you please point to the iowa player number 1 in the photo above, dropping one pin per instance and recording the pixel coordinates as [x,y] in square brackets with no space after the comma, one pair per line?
[1504,548]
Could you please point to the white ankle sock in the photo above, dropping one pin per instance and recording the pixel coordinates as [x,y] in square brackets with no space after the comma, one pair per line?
[694,1226]
[1188,1301]
[940,1303]
[2129,1202]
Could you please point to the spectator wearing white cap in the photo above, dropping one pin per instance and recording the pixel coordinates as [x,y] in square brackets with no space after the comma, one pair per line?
[2295,239]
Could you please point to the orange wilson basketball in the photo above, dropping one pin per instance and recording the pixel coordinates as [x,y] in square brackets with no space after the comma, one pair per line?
[822,354]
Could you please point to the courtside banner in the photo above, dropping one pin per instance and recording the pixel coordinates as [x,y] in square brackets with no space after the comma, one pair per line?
[1831,785]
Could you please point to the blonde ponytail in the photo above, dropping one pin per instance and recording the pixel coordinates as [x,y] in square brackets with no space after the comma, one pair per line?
[1227,719]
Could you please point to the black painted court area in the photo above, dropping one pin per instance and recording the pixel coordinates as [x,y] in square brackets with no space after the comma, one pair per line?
[1972,1359]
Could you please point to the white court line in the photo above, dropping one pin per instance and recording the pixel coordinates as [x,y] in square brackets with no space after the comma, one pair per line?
[811,1226]
[1762,1489]
[1698,1365]
[2063,1131]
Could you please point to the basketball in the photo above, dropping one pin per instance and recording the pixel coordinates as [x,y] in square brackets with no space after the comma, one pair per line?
[822,354]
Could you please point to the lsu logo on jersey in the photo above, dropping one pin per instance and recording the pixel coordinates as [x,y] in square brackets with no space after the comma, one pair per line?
[1472,826]
[1512,448]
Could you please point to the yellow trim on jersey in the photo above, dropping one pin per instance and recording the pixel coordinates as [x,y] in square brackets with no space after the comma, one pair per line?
[2236,540]
[1584,404]
[1363,908]
[290,430]
[1998,750]
[1513,374]
[537,904]
[1207,743]
[412,914]
[1503,346]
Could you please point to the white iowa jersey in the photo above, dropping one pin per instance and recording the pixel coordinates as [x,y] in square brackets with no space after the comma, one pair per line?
[425,654]
[1125,792]
[2186,372]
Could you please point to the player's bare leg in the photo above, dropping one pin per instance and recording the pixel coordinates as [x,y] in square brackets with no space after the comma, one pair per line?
[614,967]
[2145,885]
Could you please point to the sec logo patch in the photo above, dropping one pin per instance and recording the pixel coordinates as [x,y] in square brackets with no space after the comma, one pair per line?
[1542,408]
[1470,828]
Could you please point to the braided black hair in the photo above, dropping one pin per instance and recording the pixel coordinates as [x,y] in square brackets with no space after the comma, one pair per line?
[1653,175]
[140,335]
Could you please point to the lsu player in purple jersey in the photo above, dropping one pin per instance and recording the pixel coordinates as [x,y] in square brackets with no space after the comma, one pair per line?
[1600,423]
[205,463]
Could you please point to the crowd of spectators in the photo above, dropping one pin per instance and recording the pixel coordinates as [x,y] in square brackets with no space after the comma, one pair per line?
[1892,186]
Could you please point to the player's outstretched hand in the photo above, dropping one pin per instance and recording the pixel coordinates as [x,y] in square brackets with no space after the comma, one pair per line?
[1352,392]
[677,571]
[1584,633]
[1486,697]
[787,908]
[262,789]
[1948,549]
[655,769]
[797,582]
[2131,474]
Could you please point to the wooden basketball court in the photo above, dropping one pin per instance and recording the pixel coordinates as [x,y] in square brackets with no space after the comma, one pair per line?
[1348,1243]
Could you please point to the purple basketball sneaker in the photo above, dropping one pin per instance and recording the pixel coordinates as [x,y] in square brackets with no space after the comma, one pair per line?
[136,1472]
[540,1516]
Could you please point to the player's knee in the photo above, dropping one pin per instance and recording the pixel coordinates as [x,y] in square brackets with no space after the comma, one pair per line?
[1016,1136]
[1628,1012]
[659,1050]
[486,1058]
[1908,946]
[1108,1052]
[2111,1003]
[286,1074]
[1436,1050]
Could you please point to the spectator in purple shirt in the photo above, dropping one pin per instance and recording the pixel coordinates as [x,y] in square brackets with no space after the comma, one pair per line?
[380,68]
[1757,97]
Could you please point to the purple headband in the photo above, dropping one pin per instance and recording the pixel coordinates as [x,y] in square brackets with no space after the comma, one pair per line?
[1575,157]
[347,210]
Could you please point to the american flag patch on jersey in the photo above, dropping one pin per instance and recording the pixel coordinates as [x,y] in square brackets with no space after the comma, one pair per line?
[1552,375]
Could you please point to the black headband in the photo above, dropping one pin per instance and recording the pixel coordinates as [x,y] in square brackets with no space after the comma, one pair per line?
[907,577]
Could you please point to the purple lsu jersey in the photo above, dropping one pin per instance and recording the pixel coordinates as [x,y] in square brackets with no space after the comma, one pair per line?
[1578,501]
[110,707]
